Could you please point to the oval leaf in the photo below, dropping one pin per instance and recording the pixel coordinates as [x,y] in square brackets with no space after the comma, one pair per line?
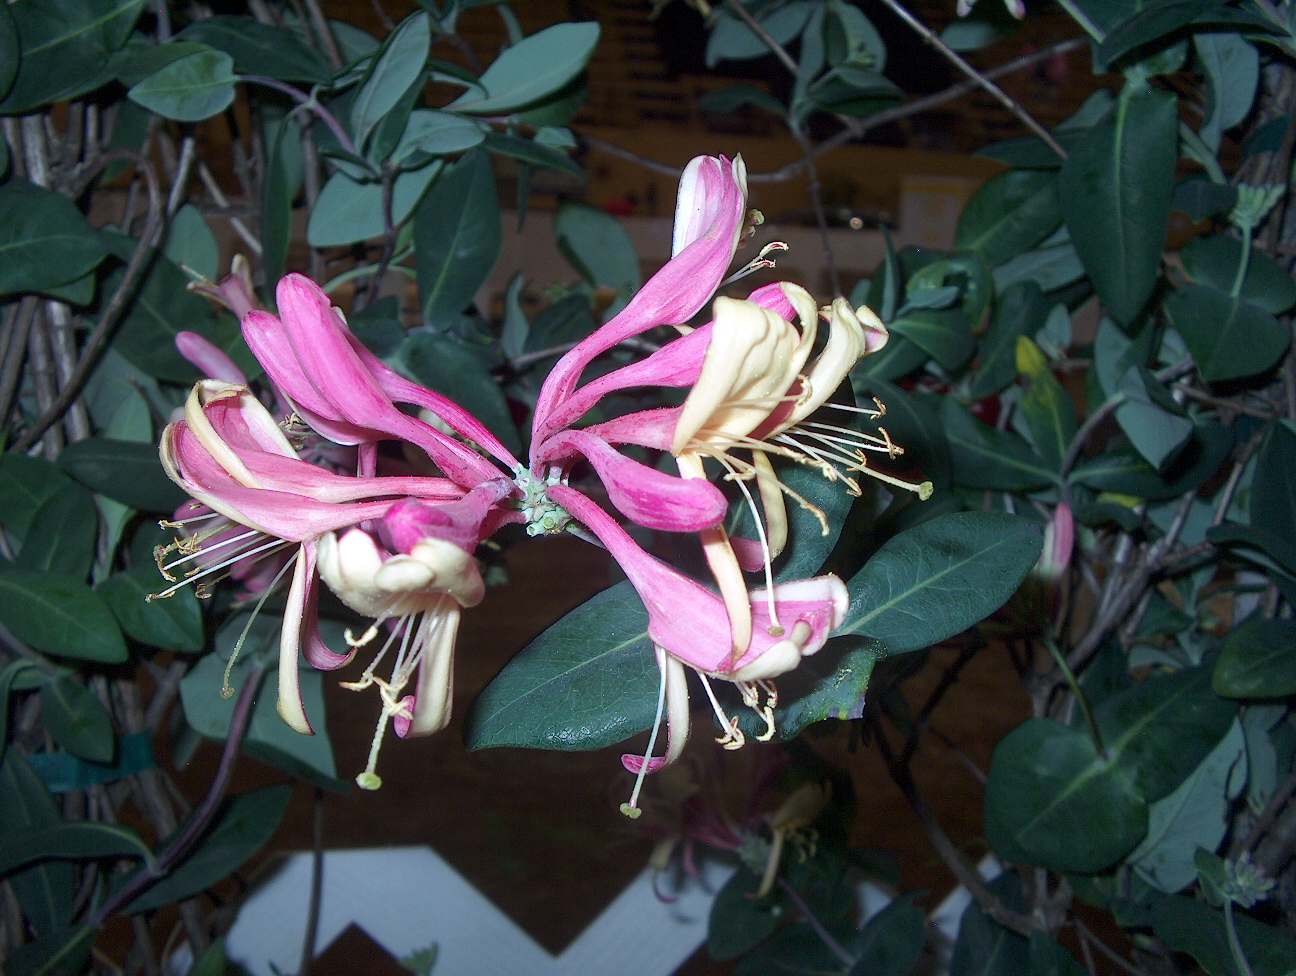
[62,534]
[1228,337]
[1009,215]
[531,69]
[76,841]
[59,615]
[174,623]
[456,237]
[189,89]
[76,719]
[1258,661]
[44,239]
[126,471]
[939,578]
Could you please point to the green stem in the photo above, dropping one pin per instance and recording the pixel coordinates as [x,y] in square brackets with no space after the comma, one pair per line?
[1243,262]
[1076,690]
[1235,944]
[1201,153]
[1082,18]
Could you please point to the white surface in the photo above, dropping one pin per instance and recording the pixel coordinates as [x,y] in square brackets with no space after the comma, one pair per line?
[407,897]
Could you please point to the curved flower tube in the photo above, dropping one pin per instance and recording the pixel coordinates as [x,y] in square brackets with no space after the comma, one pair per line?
[711,209]
[689,626]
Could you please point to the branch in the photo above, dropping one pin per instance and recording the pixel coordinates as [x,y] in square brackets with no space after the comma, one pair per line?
[825,936]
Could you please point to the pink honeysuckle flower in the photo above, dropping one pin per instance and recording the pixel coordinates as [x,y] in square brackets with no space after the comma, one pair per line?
[210,359]
[710,213]
[689,626]
[1059,540]
[229,454]
[348,395]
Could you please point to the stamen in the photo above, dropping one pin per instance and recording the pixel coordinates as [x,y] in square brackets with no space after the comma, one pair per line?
[867,411]
[226,690]
[733,737]
[757,263]
[370,780]
[260,552]
[631,809]
[776,629]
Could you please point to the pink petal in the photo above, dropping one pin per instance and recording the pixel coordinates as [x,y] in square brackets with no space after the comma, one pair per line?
[636,762]
[210,360]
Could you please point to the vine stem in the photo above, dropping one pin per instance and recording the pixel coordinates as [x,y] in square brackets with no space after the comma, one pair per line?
[959,62]
[1235,944]
[307,101]
[188,835]
[826,937]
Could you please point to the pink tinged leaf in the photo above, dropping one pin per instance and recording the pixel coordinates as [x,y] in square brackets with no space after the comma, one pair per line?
[292,709]
[209,359]
[645,495]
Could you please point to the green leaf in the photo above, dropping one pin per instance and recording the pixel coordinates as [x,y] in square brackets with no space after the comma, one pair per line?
[398,65]
[76,719]
[939,578]
[59,615]
[530,151]
[25,484]
[260,48]
[1124,472]
[190,89]
[212,962]
[722,101]
[1120,178]
[732,40]
[64,952]
[75,841]
[278,187]
[1258,661]
[588,681]
[1214,260]
[897,358]
[1275,546]
[943,334]
[739,920]
[45,891]
[61,771]
[986,948]
[1050,800]
[140,61]
[125,471]
[1228,337]
[44,239]
[528,71]
[1187,925]
[66,48]
[242,828]
[911,422]
[268,738]
[435,133]
[1045,405]
[1020,311]
[597,246]
[1009,215]
[1048,958]
[174,623]
[892,941]
[1232,68]
[1049,267]
[1158,730]
[1200,198]
[456,237]
[10,52]
[1273,486]
[1192,817]
[452,368]
[1146,25]
[62,535]
[191,243]
[347,211]
[984,457]
[1155,431]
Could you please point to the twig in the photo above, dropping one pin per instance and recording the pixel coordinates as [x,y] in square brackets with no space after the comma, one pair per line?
[945,683]
[98,340]
[325,33]
[180,184]
[317,885]
[1105,949]
[307,102]
[188,835]
[1270,813]
[959,62]
[825,936]
[218,195]
[15,351]
[816,201]
[1222,404]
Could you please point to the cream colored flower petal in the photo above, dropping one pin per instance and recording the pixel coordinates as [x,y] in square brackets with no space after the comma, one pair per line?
[771,495]
[847,342]
[204,392]
[290,705]
[677,704]
[435,689]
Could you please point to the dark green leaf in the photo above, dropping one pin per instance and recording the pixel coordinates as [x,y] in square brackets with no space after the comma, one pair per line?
[1020,311]
[75,841]
[138,62]
[1047,958]
[1160,729]
[1200,198]
[1214,260]
[738,919]
[1228,337]
[1050,800]
[892,941]
[125,471]
[242,828]
[984,457]
[59,615]
[986,948]
[897,358]
[347,211]
[1009,215]
[45,891]
[456,237]
[1120,178]
[76,719]
[943,334]
[64,952]
[62,535]
[939,578]
[435,133]
[567,320]
[1155,431]
[191,243]
[278,187]
[530,151]
[26,484]
[66,46]
[1045,404]
[1187,925]
[1258,661]
[10,51]
[1273,486]
[174,623]
[732,40]
[597,246]
[62,771]
[588,681]
[190,89]
[722,101]
[1274,545]
[44,239]
[1120,470]
[449,367]
[528,71]
[912,423]
[260,48]
[1050,267]
[1232,68]
[793,951]
[398,65]
[1147,24]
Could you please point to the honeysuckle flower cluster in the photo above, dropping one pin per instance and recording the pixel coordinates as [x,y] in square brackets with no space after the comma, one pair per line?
[398,548]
